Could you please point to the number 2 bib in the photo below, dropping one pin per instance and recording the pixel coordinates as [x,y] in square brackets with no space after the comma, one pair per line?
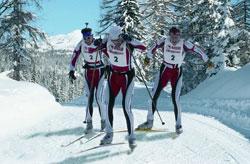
[173,54]
[117,55]
[89,57]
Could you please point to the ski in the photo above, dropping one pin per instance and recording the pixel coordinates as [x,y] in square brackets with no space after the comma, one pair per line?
[78,139]
[117,131]
[151,130]
[100,146]
[95,136]
[124,130]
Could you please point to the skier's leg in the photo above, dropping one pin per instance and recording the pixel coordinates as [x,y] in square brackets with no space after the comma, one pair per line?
[99,95]
[89,96]
[160,82]
[156,91]
[111,92]
[127,94]
[176,83]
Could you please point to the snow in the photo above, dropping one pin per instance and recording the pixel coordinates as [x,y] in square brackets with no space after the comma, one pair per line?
[226,85]
[225,97]
[229,22]
[23,104]
[205,140]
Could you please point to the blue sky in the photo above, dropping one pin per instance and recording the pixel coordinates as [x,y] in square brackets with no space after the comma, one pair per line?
[64,16]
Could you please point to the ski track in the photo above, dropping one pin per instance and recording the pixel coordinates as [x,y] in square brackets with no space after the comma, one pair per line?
[204,140]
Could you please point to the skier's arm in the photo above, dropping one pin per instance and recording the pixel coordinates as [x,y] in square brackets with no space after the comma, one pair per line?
[75,56]
[104,49]
[190,47]
[137,44]
[152,50]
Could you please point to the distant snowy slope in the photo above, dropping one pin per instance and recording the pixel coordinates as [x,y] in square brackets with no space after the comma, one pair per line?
[232,84]
[23,104]
[64,41]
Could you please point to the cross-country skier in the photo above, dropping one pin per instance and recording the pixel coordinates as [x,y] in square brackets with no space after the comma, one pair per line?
[119,49]
[174,49]
[94,75]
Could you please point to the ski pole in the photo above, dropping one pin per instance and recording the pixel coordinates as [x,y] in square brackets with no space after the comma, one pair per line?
[163,123]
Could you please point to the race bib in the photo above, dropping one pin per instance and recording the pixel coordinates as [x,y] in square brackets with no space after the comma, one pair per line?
[117,55]
[89,57]
[173,54]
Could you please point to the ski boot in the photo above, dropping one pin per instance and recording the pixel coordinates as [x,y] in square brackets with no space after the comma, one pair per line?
[178,129]
[107,139]
[89,127]
[146,125]
[131,142]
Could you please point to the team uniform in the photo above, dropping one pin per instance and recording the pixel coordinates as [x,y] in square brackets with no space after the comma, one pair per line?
[93,80]
[170,71]
[120,77]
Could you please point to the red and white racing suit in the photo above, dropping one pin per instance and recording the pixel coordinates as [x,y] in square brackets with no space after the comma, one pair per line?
[171,70]
[94,76]
[121,77]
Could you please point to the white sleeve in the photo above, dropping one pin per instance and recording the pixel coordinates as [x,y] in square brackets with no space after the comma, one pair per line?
[159,43]
[189,46]
[137,44]
[75,56]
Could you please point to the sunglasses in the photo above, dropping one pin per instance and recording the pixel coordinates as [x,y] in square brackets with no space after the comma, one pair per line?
[87,38]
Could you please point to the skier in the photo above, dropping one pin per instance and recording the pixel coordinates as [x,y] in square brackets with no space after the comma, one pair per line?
[174,49]
[94,75]
[119,48]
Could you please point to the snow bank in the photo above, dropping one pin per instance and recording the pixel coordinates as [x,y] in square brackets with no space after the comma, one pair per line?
[23,104]
[225,97]
[226,85]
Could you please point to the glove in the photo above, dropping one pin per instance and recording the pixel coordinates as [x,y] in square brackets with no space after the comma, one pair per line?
[210,64]
[72,76]
[126,37]
[98,42]
[146,61]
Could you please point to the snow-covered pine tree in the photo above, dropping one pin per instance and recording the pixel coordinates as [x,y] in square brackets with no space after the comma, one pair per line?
[17,34]
[241,14]
[5,59]
[128,17]
[158,16]
[224,49]
[240,49]
[108,9]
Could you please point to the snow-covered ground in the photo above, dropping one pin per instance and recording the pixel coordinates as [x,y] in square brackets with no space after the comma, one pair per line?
[23,104]
[49,125]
